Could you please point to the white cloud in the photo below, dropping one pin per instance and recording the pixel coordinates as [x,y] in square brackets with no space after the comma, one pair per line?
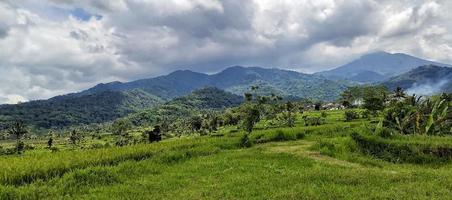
[47,50]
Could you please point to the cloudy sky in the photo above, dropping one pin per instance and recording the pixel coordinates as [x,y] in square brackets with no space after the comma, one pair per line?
[52,47]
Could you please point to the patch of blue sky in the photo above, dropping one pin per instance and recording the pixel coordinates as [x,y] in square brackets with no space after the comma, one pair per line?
[83,15]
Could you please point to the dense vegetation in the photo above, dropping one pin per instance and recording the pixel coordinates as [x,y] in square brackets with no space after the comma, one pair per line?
[70,110]
[106,102]
[213,144]
[428,79]
[316,162]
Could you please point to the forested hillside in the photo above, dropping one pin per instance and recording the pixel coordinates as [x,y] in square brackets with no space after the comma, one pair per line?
[236,80]
[68,110]
[425,80]
[204,101]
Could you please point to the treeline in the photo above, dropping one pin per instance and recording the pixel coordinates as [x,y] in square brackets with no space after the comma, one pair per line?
[64,111]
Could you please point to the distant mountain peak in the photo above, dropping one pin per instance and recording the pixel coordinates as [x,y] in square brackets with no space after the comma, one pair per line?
[184,72]
[381,63]
[377,53]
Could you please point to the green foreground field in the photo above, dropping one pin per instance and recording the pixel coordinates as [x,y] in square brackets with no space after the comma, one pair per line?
[318,162]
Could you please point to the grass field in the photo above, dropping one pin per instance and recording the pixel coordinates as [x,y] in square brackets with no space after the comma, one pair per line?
[318,162]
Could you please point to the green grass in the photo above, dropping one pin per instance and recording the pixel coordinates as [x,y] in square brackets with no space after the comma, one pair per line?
[318,162]
[255,173]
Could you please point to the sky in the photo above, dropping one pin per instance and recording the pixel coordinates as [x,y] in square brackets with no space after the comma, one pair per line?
[54,47]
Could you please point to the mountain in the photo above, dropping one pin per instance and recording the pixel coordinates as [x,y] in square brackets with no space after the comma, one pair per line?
[106,102]
[208,98]
[173,85]
[424,80]
[376,67]
[234,79]
[68,110]
[181,108]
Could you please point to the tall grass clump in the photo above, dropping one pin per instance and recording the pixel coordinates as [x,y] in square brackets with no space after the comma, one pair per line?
[403,149]
[28,168]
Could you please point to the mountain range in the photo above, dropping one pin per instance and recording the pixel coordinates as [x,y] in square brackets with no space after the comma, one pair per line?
[109,101]
[235,79]
[376,67]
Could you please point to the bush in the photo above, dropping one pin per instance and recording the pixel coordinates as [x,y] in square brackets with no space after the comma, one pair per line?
[397,150]
[53,149]
[366,114]
[350,115]
[278,135]
[96,146]
[313,121]
[245,141]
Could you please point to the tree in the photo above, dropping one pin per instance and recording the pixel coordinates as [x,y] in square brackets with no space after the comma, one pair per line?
[317,106]
[374,103]
[50,143]
[399,93]
[251,117]
[196,123]
[19,130]
[248,97]
[120,128]
[230,118]
[154,135]
[375,98]
[289,115]
[74,138]
[347,98]
[213,122]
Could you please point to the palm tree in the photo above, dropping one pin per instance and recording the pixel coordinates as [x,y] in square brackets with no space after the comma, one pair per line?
[18,129]
[399,93]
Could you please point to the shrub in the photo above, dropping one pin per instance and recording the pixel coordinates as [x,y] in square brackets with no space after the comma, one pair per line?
[366,114]
[313,121]
[397,150]
[323,114]
[245,141]
[53,149]
[96,146]
[417,116]
[350,115]
[278,135]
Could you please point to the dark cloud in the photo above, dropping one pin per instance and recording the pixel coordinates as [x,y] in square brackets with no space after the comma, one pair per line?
[3,31]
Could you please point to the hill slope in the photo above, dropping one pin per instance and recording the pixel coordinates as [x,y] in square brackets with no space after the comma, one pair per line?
[208,98]
[424,80]
[106,102]
[68,110]
[181,108]
[382,65]
[234,79]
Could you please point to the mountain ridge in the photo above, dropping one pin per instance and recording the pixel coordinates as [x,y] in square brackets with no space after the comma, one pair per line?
[383,64]
[235,79]
[423,80]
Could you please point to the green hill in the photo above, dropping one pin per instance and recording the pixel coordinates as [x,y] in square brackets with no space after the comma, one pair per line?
[69,110]
[205,99]
[424,80]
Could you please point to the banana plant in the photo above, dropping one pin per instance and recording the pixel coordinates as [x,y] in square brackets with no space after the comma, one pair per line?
[438,115]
